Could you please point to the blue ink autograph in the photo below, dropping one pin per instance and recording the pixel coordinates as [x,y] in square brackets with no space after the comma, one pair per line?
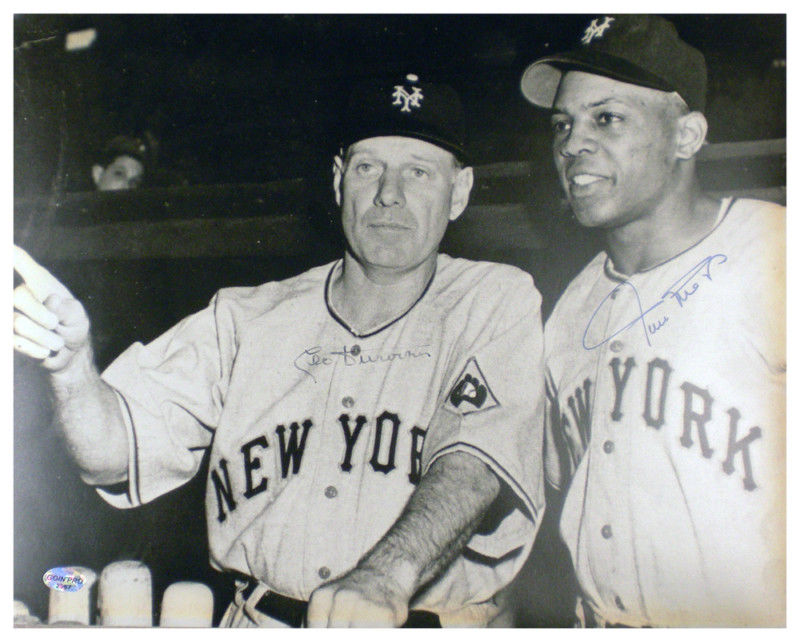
[680,291]
[316,357]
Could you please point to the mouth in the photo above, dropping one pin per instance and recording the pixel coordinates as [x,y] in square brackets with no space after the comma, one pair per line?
[388,226]
[582,184]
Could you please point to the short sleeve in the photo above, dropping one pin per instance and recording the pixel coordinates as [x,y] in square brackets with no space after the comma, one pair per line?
[493,409]
[170,393]
[555,462]
[764,314]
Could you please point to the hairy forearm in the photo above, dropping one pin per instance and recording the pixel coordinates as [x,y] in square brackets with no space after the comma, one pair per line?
[436,524]
[89,420]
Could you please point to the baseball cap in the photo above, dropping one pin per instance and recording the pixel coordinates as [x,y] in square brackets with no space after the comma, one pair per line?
[639,49]
[408,107]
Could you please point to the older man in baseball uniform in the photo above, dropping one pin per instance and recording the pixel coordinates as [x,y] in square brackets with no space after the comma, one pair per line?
[373,424]
[665,356]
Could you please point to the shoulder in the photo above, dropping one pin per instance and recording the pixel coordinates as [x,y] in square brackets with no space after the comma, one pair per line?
[752,232]
[259,299]
[573,298]
[753,207]
[755,219]
[472,293]
[490,278]
[752,238]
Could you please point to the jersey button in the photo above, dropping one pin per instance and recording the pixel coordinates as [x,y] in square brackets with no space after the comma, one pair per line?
[614,294]
[618,602]
[324,573]
[608,446]
[331,492]
[348,402]
[355,349]
[616,346]
[606,531]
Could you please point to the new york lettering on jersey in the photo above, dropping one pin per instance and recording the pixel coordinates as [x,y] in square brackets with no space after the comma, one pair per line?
[665,429]
[243,477]
[648,387]
[641,360]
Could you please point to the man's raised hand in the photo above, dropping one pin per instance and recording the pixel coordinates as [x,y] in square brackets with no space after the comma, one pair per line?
[49,323]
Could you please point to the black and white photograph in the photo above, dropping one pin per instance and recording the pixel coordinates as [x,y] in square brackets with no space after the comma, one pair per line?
[416,320]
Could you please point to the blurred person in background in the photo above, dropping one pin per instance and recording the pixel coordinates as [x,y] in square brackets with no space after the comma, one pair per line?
[125,162]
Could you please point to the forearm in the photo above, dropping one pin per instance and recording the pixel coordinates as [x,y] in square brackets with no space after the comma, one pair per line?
[90,421]
[436,524]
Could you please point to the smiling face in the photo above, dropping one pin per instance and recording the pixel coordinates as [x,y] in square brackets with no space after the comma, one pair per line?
[397,195]
[614,147]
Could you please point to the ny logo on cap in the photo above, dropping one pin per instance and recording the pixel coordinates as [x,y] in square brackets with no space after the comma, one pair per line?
[595,30]
[406,99]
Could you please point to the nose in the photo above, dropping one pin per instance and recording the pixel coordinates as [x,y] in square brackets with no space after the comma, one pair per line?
[390,190]
[580,139]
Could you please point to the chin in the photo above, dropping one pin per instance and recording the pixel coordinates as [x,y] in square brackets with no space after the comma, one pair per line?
[588,216]
[384,260]
[605,214]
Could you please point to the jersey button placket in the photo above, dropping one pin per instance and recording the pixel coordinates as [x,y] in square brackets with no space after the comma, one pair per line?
[329,434]
[616,304]
[603,430]
[610,463]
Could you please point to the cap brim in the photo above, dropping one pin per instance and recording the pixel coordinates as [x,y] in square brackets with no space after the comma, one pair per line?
[541,79]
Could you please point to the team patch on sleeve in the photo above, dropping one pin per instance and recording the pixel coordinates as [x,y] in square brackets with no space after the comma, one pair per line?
[471,392]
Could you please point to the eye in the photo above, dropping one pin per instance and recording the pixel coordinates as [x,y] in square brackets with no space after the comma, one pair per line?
[560,125]
[419,173]
[606,118]
[365,169]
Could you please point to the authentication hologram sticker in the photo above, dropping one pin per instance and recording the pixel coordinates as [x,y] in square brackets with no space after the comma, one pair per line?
[64,579]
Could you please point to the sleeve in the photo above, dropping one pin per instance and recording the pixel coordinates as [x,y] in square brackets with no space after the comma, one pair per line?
[492,407]
[765,282]
[170,393]
[563,446]
[555,462]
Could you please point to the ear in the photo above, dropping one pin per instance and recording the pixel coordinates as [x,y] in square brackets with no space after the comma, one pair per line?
[691,134]
[97,173]
[462,185]
[338,171]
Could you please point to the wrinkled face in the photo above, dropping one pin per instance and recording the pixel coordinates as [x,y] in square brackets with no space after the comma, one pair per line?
[397,195]
[614,147]
[124,172]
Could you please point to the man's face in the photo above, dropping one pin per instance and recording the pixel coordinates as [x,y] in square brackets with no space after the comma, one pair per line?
[614,148]
[397,195]
[124,172]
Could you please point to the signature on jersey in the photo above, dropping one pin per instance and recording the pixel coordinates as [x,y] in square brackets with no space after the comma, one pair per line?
[655,317]
[314,357]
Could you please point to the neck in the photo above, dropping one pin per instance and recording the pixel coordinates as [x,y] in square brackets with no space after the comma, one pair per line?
[367,297]
[670,227]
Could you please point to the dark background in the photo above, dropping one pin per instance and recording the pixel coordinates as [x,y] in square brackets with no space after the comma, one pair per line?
[245,109]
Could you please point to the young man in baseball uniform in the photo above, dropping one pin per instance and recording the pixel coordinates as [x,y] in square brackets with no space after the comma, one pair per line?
[665,356]
[373,424]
